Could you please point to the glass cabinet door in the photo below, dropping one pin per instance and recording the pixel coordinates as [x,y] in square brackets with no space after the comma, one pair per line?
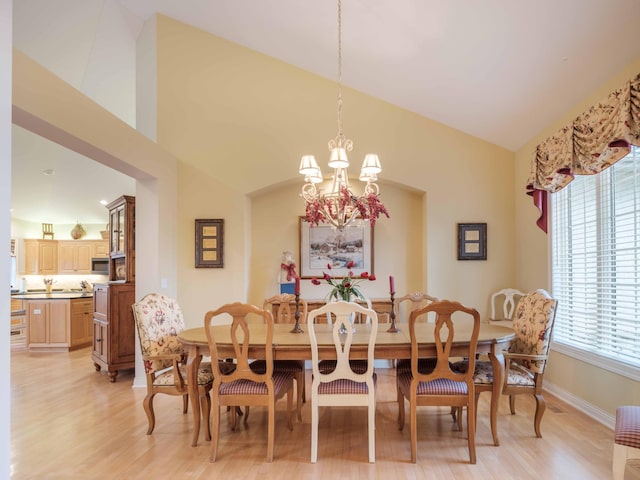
[121,229]
[114,232]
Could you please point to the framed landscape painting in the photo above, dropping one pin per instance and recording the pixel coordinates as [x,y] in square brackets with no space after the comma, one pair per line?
[324,245]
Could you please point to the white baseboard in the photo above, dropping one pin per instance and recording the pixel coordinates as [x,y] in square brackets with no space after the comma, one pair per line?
[592,411]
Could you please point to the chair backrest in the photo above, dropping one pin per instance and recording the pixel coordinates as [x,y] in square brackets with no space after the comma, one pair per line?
[158,320]
[412,301]
[533,322]
[357,318]
[341,312]
[283,308]
[509,298]
[446,331]
[250,326]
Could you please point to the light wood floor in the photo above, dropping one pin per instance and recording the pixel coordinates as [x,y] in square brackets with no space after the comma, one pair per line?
[69,422]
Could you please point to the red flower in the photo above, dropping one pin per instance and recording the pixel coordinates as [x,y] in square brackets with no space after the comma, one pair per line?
[347,285]
[372,277]
[315,281]
[364,275]
[326,276]
[329,266]
[350,264]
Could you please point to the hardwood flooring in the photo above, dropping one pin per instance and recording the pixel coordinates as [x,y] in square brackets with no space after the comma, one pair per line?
[69,422]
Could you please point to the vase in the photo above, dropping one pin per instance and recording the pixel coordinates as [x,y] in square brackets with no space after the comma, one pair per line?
[343,330]
[48,288]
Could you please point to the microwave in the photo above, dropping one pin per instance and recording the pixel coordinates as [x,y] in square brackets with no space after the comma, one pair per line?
[100,265]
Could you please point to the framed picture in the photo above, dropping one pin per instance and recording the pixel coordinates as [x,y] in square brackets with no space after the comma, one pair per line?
[324,245]
[210,243]
[472,241]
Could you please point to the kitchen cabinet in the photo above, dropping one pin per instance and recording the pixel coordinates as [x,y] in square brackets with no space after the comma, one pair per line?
[59,325]
[74,256]
[100,249]
[113,328]
[40,257]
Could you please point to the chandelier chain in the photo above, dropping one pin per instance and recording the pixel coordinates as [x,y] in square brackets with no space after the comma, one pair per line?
[339,68]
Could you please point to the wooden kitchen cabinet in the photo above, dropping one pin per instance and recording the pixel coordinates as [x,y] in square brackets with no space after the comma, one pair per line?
[113,328]
[59,325]
[81,323]
[40,257]
[48,325]
[74,256]
[100,249]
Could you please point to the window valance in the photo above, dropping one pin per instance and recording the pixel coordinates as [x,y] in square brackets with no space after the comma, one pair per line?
[591,143]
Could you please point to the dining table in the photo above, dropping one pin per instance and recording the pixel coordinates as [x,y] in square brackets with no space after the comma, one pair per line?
[287,345]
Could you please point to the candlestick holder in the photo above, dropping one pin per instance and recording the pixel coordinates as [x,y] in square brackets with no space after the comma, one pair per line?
[296,328]
[393,328]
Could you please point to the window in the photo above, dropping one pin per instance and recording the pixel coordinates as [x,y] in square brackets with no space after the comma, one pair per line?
[596,267]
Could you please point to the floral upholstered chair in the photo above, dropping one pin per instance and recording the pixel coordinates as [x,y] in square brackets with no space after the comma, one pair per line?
[159,320]
[526,359]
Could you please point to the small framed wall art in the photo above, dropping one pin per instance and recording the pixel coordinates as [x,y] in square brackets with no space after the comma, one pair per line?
[210,243]
[472,241]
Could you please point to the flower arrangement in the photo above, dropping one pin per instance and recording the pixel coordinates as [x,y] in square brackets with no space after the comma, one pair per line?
[47,281]
[347,288]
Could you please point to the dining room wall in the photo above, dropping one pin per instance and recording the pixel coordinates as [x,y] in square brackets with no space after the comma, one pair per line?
[241,120]
[594,389]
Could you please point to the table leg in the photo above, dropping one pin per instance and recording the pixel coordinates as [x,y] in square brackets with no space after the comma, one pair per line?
[193,363]
[497,364]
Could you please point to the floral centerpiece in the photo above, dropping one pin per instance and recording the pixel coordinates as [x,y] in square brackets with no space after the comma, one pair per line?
[347,288]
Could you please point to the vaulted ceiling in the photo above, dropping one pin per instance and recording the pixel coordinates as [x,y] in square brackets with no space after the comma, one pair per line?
[498,70]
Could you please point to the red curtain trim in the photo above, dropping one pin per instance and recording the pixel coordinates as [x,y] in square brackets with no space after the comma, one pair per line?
[540,202]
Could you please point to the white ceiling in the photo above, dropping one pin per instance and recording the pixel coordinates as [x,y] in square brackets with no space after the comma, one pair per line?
[497,69]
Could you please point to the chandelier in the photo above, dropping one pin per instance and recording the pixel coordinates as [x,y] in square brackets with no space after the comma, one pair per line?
[340,206]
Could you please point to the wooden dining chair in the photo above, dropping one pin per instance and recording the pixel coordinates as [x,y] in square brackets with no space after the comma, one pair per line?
[526,358]
[404,306]
[342,386]
[250,333]
[284,308]
[158,321]
[508,298]
[442,386]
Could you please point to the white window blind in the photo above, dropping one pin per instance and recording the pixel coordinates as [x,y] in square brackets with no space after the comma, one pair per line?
[596,262]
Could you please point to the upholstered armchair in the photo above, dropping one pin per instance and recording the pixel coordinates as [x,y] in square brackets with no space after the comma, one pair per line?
[159,320]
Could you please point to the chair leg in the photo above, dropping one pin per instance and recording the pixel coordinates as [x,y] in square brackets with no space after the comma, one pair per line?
[400,410]
[300,394]
[271,429]
[185,403]
[413,416]
[215,413]
[290,407]
[148,408]
[371,426]
[540,408]
[205,408]
[512,404]
[471,429]
[246,414]
[314,430]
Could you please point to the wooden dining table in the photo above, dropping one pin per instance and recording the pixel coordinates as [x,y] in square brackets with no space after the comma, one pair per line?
[492,340]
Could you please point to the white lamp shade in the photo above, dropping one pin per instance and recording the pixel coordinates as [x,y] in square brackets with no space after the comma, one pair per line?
[308,165]
[314,177]
[371,165]
[368,177]
[338,158]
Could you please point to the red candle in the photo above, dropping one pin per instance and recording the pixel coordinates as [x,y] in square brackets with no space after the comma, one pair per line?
[297,287]
[392,286]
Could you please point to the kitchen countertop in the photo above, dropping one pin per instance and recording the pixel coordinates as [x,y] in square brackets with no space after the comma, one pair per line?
[51,296]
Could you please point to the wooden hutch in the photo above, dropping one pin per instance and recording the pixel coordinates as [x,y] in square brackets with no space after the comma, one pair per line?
[114,330]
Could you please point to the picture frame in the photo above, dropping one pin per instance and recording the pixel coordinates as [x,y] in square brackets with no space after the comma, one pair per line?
[209,243]
[472,241]
[323,244]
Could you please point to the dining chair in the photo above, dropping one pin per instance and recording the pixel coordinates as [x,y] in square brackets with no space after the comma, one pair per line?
[250,333]
[404,306]
[342,386]
[283,307]
[158,320]
[527,356]
[507,298]
[357,365]
[442,386]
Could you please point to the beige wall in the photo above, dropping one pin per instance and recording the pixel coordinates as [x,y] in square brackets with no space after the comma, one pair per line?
[242,120]
[601,389]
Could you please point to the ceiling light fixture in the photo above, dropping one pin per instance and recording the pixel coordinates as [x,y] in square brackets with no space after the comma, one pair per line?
[48,171]
[340,206]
